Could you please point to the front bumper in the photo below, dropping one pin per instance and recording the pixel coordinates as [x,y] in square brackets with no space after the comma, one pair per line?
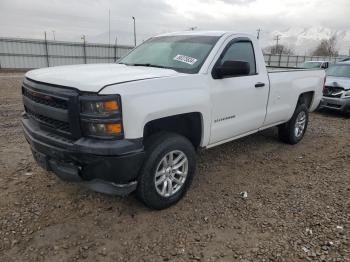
[339,104]
[106,166]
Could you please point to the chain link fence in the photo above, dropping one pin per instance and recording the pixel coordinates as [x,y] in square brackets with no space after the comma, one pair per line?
[19,53]
[295,60]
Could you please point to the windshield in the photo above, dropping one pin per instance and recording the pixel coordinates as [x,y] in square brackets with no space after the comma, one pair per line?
[311,65]
[339,70]
[182,53]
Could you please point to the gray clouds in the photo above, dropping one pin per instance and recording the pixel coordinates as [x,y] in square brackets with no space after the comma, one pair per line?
[71,19]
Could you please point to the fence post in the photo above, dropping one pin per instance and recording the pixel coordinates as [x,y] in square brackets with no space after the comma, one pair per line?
[115,53]
[279,60]
[0,64]
[46,52]
[84,48]
[269,59]
[296,63]
[288,60]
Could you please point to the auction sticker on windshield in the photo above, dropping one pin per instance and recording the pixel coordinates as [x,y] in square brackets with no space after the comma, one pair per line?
[185,59]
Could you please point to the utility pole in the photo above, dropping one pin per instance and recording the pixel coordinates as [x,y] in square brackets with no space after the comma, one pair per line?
[109,32]
[46,51]
[258,33]
[116,49]
[133,18]
[277,38]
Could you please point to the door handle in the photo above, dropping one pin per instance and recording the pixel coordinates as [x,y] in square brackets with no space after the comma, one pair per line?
[257,85]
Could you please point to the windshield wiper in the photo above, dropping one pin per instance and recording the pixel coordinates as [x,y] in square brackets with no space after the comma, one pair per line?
[146,64]
[151,65]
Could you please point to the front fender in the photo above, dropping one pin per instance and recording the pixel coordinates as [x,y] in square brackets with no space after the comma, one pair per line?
[148,100]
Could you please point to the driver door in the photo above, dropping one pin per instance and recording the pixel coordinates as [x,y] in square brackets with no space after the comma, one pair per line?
[238,101]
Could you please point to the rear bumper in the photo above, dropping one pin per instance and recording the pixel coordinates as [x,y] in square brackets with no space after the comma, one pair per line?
[108,167]
[339,104]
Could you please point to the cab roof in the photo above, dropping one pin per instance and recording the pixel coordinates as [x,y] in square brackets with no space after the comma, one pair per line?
[199,33]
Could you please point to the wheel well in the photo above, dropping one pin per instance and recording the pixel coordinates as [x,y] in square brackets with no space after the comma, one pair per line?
[188,125]
[306,98]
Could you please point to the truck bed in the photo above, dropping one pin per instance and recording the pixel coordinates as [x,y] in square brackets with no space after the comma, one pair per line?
[277,69]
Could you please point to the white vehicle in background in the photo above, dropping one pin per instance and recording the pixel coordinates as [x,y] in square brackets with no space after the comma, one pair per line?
[345,59]
[336,93]
[315,64]
[136,125]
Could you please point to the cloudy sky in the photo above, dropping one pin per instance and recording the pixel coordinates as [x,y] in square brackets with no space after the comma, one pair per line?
[72,18]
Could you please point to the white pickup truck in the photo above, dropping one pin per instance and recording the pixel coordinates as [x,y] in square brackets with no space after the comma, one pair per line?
[136,125]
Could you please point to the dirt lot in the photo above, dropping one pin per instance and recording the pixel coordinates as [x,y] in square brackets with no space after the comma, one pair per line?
[298,205]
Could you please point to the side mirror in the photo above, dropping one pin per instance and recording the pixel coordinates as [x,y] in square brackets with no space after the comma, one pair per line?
[231,68]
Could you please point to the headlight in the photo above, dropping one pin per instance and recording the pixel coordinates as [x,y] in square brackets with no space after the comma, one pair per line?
[347,93]
[101,116]
[99,108]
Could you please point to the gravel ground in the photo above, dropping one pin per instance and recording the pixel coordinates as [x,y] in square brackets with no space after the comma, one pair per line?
[297,206]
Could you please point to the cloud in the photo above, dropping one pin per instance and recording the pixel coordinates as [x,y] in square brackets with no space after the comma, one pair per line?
[71,19]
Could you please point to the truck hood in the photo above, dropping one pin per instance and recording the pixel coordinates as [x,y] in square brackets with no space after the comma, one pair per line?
[93,77]
[343,82]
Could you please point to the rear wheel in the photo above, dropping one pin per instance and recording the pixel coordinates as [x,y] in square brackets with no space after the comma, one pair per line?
[167,171]
[293,131]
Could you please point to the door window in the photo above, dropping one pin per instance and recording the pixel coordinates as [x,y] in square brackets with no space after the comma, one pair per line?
[241,51]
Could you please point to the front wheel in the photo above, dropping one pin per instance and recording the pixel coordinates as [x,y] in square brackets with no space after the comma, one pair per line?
[167,171]
[294,130]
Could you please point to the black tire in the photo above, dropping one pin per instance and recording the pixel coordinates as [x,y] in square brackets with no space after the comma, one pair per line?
[158,146]
[286,132]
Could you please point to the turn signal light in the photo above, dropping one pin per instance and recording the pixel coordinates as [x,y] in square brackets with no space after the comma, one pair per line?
[111,106]
[114,129]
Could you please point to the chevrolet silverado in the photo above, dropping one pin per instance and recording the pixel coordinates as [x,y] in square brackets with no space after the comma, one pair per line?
[136,125]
